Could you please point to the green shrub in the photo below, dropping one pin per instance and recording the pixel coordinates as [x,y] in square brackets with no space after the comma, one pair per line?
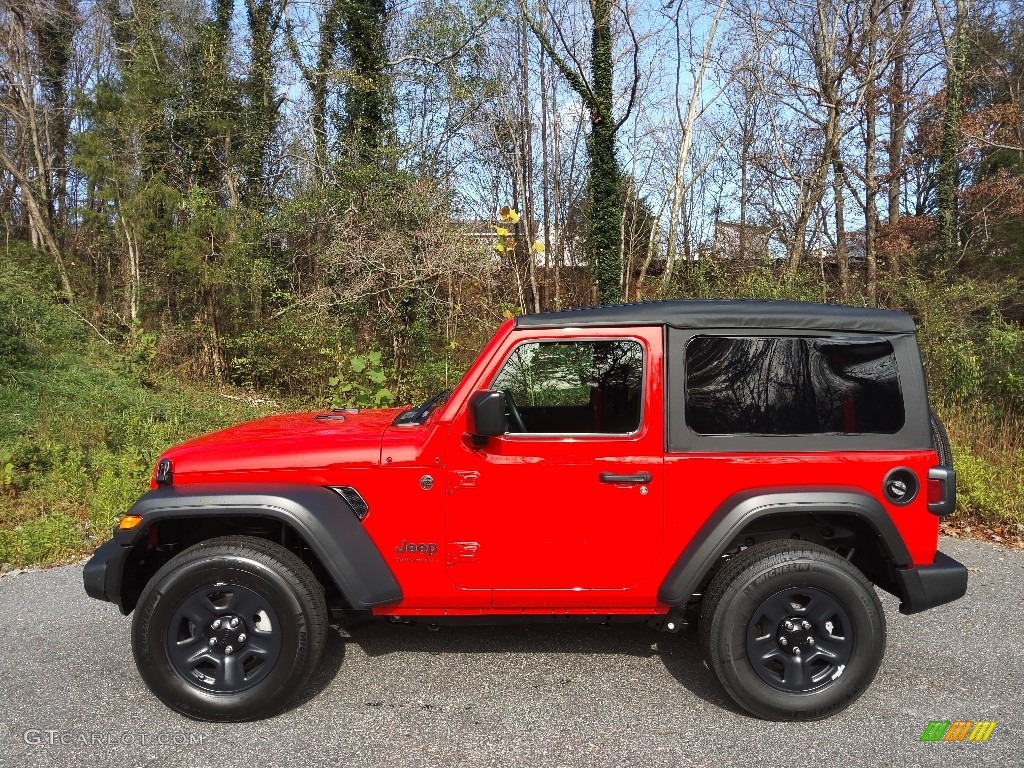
[360,382]
[987,489]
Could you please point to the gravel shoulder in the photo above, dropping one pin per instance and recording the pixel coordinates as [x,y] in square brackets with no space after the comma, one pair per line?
[510,696]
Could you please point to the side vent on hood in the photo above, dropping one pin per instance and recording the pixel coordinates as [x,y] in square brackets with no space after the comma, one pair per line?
[354,499]
[336,414]
[329,417]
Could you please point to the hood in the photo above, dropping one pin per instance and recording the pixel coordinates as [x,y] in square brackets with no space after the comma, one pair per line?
[293,441]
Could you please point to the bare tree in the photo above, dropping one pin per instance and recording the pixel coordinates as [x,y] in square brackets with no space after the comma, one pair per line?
[33,64]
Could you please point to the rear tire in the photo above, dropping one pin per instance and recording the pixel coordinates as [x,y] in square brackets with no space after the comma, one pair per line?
[230,629]
[792,630]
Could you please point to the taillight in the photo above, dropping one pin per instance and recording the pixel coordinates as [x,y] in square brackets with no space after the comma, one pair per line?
[941,491]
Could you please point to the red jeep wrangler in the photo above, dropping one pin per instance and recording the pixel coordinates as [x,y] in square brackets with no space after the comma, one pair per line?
[752,466]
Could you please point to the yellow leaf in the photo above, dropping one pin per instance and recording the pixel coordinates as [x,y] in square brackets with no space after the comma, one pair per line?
[512,216]
[537,247]
[507,315]
[501,232]
[499,247]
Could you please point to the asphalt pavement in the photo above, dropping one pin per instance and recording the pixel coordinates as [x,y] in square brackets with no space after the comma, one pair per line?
[512,696]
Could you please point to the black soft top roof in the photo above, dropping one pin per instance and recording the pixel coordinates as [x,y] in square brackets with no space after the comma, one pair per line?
[775,315]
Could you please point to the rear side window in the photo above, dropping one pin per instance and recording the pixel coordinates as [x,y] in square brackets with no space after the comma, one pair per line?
[791,386]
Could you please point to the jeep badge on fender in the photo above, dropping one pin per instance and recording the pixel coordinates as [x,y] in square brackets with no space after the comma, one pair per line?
[754,468]
[411,548]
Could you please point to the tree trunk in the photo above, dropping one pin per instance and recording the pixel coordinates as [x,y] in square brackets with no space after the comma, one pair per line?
[898,123]
[605,179]
[870,147]
[545,176]
[842,260]
[527,220]
[556,196]
[679,185]
[949,166]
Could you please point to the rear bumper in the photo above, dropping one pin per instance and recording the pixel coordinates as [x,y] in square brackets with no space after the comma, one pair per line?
[104,571]
[927,586]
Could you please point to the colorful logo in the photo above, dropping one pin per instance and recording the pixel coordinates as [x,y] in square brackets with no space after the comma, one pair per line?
[958,730]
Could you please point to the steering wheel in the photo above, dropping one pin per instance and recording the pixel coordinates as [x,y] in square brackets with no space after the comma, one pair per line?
[513,412]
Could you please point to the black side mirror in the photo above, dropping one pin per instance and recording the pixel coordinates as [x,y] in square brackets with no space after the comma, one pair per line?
[487,414]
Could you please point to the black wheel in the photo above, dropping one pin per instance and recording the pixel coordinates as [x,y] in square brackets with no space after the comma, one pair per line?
[513,413]
[230,629]
[940,440]
[792,630]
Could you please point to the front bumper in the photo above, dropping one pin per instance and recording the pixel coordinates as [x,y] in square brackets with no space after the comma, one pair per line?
[927,586]
[104,572]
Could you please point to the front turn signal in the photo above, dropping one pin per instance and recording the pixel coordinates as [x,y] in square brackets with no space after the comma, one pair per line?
[128,522]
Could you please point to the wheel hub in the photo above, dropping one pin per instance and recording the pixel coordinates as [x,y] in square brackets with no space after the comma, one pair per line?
[227,634]
[795,635]
[800,639]
[224,638]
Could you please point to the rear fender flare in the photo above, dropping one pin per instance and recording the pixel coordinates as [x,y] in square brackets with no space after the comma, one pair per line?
[740,510]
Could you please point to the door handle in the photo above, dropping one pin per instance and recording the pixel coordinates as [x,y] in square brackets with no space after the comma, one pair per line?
[640,477]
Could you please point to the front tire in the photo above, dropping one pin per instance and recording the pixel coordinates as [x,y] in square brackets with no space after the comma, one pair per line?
[792,630]
[230,629]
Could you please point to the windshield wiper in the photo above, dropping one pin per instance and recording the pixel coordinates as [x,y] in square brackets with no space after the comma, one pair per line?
[417,415]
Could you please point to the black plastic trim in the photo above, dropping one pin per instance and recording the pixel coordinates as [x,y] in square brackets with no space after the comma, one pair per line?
[947,504]
[325,521]
[741,509]
[102,574]
[927,586]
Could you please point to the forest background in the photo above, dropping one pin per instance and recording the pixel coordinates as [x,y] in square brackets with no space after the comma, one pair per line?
[215,209]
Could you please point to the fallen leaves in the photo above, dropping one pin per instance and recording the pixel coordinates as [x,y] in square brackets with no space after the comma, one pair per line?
[1010,535]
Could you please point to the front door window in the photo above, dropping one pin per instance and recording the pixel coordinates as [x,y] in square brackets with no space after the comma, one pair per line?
[575,387]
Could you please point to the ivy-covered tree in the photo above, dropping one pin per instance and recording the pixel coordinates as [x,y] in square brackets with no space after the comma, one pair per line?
[596,89]
[368,114]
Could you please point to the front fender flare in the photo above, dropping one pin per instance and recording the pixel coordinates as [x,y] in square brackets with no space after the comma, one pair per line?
[323,519]
[741,509]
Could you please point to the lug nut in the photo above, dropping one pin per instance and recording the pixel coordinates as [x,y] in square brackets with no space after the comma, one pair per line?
[806,625]
[241,638]
[213,641]
[783,641]
[796,650]
[216,624]
[789,626]
[234,622]
[228,650]
[810,641]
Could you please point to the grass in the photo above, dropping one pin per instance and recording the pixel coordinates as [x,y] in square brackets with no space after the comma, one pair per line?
[988,455]
[82,422]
